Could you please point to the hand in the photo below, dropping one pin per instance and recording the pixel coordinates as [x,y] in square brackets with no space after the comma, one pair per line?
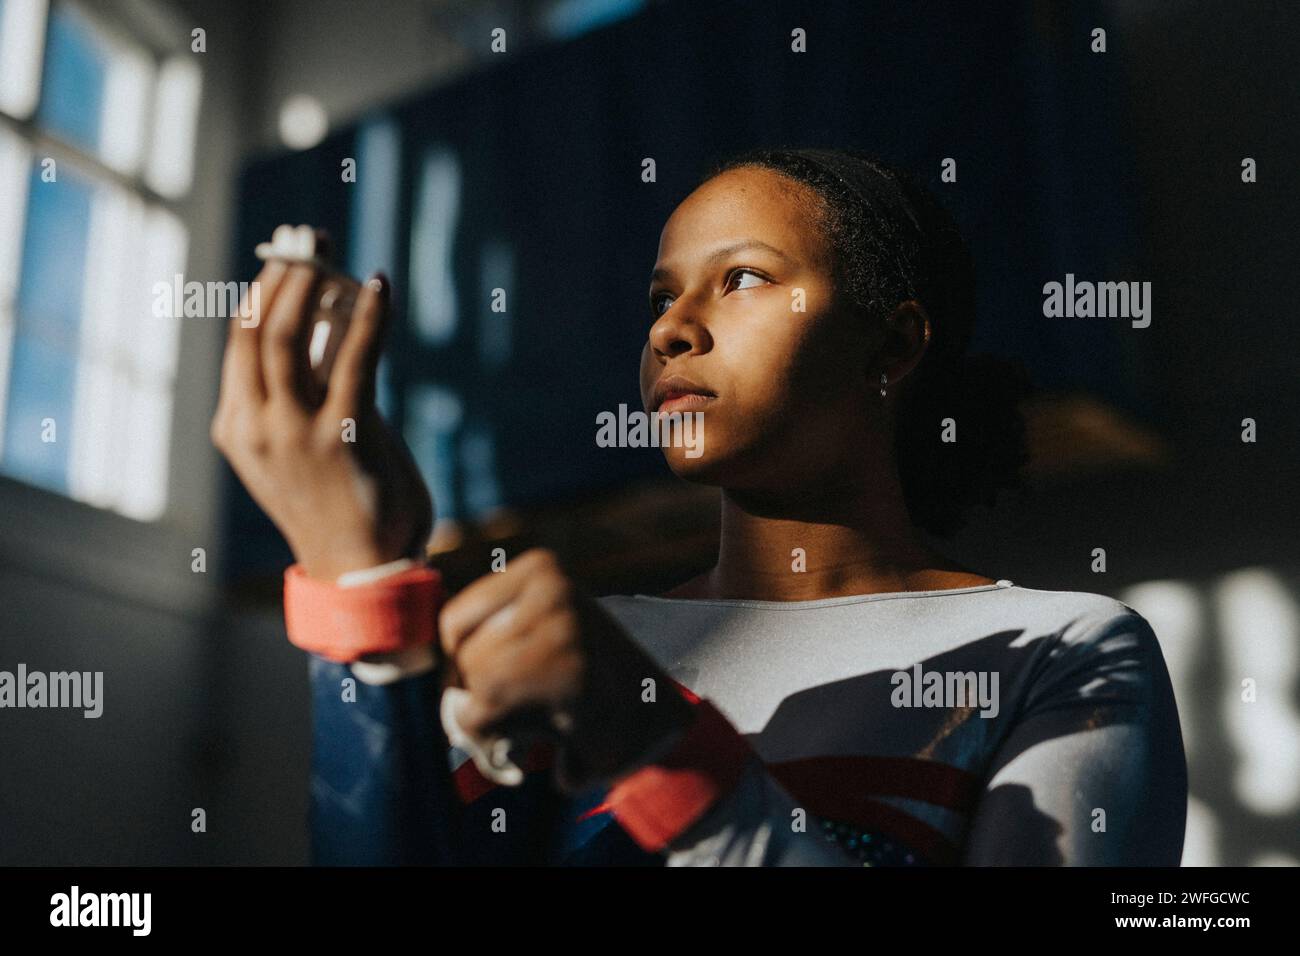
[541,660]
[345,497]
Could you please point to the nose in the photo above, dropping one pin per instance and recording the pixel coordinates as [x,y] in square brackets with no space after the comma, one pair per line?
[678,331]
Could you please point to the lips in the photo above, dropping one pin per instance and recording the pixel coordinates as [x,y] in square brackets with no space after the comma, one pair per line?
[673,393]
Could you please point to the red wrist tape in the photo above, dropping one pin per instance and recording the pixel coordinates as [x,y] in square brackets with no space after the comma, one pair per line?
[345,624]
[658,803]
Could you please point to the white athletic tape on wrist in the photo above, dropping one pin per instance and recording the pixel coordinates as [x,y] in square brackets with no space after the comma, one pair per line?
[491,757]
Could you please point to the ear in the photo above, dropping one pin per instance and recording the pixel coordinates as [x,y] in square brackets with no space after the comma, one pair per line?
[904,342]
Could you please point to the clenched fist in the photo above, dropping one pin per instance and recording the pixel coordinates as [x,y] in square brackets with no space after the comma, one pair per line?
[541,660]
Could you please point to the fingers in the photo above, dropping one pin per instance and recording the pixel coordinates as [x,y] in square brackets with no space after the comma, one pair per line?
[241,369]
[284,339]
[352,380]
[517,682]
[491,646]
[510,638]
[492,604]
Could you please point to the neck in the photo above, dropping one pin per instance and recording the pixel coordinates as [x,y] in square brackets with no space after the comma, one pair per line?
[843,541]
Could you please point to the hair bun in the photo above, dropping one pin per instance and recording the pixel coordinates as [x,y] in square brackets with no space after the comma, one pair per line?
[960,438]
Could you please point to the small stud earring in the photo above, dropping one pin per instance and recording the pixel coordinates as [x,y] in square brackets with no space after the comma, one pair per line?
[884,380]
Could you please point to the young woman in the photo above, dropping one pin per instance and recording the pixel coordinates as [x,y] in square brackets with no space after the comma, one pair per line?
[831,692]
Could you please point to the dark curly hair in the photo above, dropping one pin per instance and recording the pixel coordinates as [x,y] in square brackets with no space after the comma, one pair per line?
[891,241]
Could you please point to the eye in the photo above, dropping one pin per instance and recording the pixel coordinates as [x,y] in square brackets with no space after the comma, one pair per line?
[744,272]
[655,301]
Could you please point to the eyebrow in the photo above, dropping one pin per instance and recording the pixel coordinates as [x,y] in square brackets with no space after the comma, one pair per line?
[661,274]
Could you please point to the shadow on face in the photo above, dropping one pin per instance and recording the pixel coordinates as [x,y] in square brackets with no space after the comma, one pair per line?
[749,339]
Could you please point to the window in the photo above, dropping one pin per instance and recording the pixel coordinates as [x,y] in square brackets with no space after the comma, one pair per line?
[96,144]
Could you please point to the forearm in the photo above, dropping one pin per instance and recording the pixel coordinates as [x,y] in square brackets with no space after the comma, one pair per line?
[381,792]
[382,788]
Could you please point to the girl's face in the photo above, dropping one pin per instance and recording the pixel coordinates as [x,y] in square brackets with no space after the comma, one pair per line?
[747,332]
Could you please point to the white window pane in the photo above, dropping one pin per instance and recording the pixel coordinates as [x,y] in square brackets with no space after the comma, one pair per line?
[143,492]
[115,222]
[15,164]
[22,42]
[126,93]
[153,341]
[125,357]
[14,169]
[97,446]
[176,110]
[132,249]
[112,258]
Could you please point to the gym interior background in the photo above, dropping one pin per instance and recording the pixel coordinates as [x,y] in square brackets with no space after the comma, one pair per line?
[521,170]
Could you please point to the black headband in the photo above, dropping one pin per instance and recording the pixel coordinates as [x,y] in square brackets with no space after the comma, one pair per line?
[872,186]
[882,198]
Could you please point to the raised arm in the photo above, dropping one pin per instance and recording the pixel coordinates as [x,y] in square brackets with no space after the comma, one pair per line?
[343,490]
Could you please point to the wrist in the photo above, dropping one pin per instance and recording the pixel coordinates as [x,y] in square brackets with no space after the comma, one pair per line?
[348,623]
[660,801]
[606,751]
[378,572]
[330,564]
